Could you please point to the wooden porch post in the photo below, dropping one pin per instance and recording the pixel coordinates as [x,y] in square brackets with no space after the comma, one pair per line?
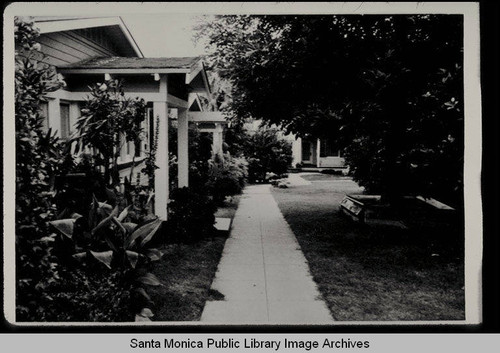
[297,151]
[318,153]
[217,139]
[182,148]
[160,109]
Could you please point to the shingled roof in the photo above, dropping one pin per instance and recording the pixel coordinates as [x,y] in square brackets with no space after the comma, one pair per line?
[116,62]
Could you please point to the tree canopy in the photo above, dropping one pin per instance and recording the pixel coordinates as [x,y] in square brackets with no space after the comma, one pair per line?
[387,88]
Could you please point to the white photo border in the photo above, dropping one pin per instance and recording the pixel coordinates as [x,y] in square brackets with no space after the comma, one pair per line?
[472,107]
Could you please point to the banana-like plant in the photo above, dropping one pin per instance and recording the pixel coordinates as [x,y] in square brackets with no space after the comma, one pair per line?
[105,237]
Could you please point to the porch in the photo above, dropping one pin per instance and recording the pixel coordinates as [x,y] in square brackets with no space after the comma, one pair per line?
[317,154]
[171,89]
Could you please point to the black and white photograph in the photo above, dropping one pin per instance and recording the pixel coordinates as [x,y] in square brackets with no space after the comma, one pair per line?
[301,164]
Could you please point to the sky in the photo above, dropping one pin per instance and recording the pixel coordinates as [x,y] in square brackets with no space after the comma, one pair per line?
[164,35]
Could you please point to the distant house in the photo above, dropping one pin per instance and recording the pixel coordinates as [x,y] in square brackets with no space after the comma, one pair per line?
[317,153]
[310,152]
[86,51]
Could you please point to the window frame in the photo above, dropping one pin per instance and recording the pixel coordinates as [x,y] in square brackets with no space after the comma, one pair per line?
[65,133]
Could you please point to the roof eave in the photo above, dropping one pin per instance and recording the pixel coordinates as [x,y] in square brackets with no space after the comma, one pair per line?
[131,39]
[89,71]
[51,26]
[199,69]
[205,78]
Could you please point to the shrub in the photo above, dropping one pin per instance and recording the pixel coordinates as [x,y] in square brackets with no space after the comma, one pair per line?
[150,161]
[226,177]
[267,152]
[139,198]
[191,216]
[108,120]
[37,162]
[49,286]
[77,186]
[86,295]
[105,241]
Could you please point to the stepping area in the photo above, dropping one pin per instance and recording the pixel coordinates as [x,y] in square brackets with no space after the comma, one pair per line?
[263,274]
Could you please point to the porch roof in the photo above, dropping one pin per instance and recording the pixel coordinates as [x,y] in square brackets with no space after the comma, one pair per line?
[117,64]
[207,117]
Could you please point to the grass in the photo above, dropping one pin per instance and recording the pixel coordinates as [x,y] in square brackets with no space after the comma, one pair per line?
[187,270]
[321,176]
[375,274]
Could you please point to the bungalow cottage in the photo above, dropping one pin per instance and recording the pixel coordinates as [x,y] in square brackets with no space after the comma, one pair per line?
[310,152]
[316,153]
[86,51]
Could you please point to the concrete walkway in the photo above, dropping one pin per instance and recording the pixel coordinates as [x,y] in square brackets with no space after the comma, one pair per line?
[263,274]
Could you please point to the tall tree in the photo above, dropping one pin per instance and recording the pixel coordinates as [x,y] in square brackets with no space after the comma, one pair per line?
[389,88]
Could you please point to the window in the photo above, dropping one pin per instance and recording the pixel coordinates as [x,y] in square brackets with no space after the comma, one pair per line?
[137,146]
[306,150]
[329,148]
[44,112]
[65,122]
[127,144]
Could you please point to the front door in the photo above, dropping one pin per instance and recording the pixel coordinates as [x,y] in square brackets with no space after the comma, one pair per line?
[308,152]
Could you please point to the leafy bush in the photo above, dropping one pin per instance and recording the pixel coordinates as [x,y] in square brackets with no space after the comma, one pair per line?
[236,138]
[150,161]
[267,152]
[139,198]
[37,162]
[200,152]
[76,187]
[190,210]
[226,176]
[191,216]
[103,240]
[86,295]
[108,120]
[114,253]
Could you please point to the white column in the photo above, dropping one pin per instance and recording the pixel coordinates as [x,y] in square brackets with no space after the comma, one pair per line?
[217,139]
[160,109]
[54,113]
[182,148]
[318,153]
[296,151]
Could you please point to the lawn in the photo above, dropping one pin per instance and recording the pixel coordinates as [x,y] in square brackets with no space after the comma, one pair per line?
[187,271]
[368,274]
[323,176]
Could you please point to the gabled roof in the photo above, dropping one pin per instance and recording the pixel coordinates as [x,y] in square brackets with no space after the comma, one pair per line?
[191,66]
[194,103]
[50,24]
[115,63]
